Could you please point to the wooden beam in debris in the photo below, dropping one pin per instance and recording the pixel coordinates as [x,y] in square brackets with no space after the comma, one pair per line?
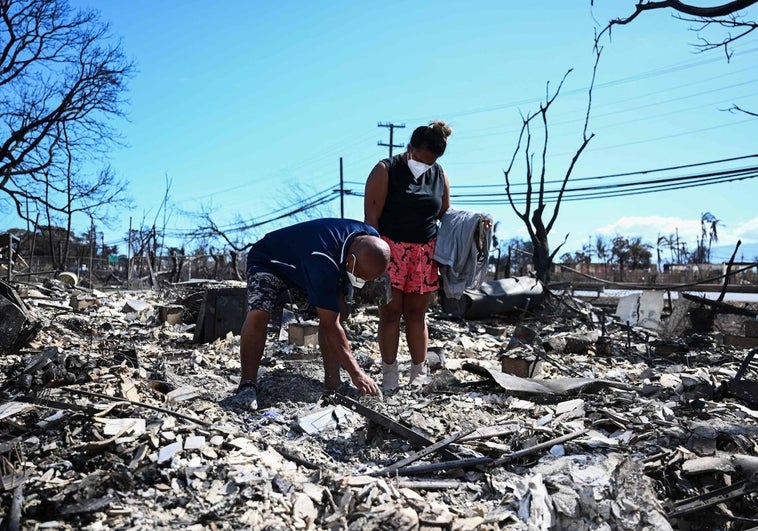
[383,420]
[445,465]
[715,497]
[539,447]
[439,484]
[17,503]
[447,441]
[490,461]
[135,403]
[721,306]
[296,459]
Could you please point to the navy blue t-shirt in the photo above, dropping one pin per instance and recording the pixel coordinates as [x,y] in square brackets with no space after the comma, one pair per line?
[310,256]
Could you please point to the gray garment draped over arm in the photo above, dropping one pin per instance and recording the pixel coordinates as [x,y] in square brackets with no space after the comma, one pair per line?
[462,250]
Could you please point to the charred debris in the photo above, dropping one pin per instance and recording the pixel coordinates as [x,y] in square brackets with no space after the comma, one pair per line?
[556,413]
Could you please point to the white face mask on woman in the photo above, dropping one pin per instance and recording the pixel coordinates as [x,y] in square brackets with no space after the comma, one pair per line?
[417,168]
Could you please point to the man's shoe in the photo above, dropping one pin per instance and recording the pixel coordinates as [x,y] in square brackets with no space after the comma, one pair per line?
[246,396]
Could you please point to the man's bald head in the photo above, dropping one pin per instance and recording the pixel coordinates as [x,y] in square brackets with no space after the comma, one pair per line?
[372,256]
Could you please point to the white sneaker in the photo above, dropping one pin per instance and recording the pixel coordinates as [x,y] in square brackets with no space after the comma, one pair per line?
[390,376]
[418,374]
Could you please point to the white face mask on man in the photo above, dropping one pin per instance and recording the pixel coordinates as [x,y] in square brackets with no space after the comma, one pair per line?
[417,168]
[357,283]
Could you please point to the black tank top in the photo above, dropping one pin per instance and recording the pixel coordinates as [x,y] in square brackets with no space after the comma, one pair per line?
[412,206]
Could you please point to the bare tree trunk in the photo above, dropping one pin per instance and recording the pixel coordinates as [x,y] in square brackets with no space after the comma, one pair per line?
[216,264]
[541,258]
[235,269]
[536,170]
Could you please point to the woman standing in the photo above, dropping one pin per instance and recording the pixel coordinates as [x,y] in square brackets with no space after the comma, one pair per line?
[405,196]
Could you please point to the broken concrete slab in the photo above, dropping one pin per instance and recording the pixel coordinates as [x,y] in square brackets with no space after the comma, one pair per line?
[170,313]
[303,334]
[136,306]
[329,417]
[641,309]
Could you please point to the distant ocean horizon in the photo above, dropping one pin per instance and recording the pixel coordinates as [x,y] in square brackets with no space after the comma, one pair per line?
[748,252]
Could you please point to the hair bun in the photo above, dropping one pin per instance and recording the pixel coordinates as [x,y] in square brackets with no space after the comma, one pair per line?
[445,129]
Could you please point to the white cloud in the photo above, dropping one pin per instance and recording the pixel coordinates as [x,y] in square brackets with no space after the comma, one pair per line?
[650,227]
[747,231]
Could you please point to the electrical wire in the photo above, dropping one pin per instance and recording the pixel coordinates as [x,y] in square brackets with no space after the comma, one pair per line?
[605,190]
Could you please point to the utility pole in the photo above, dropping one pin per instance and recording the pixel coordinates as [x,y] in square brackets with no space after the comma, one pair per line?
[129,255]
[92,243]
[392,128]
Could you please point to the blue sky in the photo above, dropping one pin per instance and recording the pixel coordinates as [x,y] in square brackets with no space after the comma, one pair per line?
[247,106]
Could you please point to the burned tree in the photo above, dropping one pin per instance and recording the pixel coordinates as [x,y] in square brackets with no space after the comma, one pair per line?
[537,194]
[709,235]
[725,15]
[62,77]
[727,20]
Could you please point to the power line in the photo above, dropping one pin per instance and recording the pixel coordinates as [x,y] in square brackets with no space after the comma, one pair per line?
[605,191]
[297,207]
[607,176]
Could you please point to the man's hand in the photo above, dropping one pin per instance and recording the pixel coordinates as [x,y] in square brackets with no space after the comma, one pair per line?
[364,384]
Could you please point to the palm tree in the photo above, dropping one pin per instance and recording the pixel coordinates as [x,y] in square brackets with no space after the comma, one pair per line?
[601,248]
[639,253]
[708,228]
[667,242]
[662,242]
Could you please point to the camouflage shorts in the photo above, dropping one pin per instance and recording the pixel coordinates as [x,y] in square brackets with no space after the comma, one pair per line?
[267,292]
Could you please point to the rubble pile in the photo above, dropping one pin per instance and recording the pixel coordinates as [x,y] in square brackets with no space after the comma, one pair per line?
[564,417]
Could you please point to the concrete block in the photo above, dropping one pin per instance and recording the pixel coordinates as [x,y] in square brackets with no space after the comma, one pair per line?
[521,367]
[579,344]
[171,314]
[303,334]
[751,328]
[522,335]
[80,302]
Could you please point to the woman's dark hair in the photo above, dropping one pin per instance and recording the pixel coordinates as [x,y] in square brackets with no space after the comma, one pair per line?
[432,137]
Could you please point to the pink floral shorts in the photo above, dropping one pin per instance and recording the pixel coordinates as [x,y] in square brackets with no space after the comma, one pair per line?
[412,267]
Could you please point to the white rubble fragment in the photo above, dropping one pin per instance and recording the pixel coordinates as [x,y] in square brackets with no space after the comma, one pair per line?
[169,451]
